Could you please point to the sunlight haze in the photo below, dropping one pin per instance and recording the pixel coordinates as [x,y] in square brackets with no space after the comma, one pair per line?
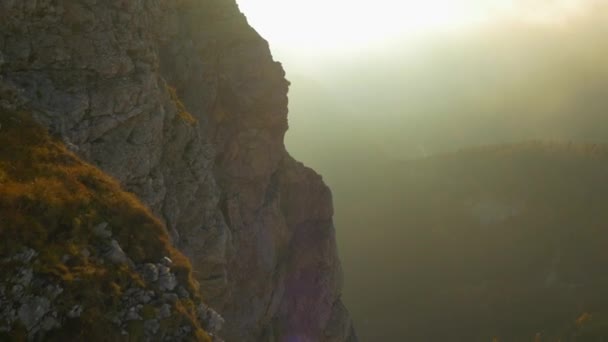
[453,135]
[319,27]
[304,170]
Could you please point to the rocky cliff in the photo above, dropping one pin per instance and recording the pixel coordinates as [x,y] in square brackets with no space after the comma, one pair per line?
[182,103]
[81,259]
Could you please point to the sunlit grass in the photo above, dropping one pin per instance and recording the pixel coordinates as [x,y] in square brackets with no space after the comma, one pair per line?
[49,201]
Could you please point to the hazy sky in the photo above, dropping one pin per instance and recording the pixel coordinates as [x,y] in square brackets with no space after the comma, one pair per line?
[311,28]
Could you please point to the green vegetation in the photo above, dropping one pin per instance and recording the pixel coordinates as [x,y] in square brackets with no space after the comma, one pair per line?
[49,201]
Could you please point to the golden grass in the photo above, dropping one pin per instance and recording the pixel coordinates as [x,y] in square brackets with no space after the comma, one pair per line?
[182,112]
[50,200]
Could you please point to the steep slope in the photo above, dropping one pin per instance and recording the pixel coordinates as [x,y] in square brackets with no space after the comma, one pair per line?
[501,241]
[80,258]
[182,102]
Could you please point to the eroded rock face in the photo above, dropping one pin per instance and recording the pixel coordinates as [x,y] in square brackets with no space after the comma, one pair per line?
[37,304]
[182,102]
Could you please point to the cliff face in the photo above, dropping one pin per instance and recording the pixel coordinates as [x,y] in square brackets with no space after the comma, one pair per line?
[81,259]
[182,102]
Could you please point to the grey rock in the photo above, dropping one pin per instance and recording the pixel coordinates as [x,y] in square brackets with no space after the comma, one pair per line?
[214,321]
[166,279]
[49,322]
[132,315]
[163,270]
[7,315]
[215,338]
[144,297]
[114,253]
[150,272]
[166,261]
[17,291]
[185,330]
[102,231]
[32,311]
[75,149]
[165,311]
[53,291]
[99,73]
[182,292]
[151,327]
[75,311]
[25,256]
[24,278]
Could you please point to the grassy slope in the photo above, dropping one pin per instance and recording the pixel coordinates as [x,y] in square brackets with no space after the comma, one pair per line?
[442,273]
[49,201]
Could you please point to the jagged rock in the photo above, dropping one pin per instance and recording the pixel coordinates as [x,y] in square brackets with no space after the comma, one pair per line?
[215,322]
[24,277]
[183,103]
[25,256]
[49,322]
[134,296]
[32,311]
[133,315]
[8,314]
[151,327]
[53,291]
[101,230]
[75,311]
[182,292]
[166,261]
[166,279]
[114,253]
[17,291]
[165,311]
[150,273]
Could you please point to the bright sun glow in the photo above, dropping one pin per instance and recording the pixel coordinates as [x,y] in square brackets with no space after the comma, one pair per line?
[336,25]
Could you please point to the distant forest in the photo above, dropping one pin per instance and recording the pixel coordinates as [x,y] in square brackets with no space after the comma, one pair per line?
[506,242]
[469,180]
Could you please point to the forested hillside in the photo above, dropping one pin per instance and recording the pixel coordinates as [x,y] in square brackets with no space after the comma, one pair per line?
[504,241]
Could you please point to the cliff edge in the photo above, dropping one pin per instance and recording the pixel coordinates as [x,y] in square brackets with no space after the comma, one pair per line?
[182,103]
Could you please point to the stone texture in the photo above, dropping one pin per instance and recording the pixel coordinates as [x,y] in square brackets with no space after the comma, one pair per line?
[37,304]
[183,103]
[113,252]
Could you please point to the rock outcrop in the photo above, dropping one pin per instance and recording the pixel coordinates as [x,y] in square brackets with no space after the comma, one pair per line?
[182,102]
[76,252]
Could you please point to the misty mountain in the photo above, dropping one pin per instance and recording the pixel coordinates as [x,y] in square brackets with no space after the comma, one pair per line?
[504,241]
[443,240]
[511,83]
